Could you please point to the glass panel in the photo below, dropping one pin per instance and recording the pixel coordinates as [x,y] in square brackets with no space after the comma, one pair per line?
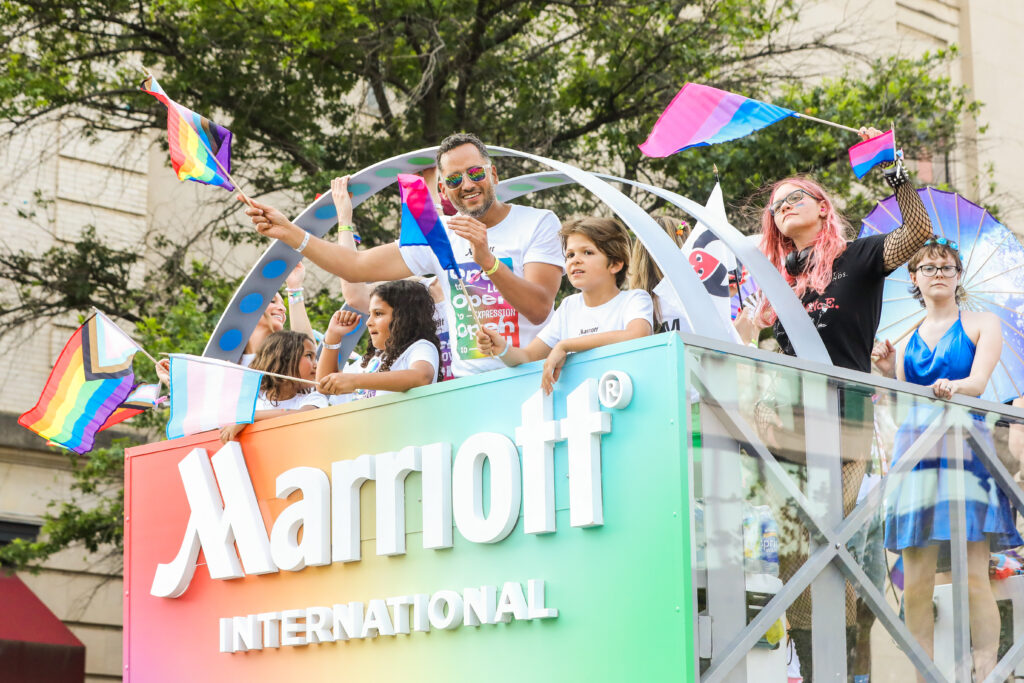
[895,496]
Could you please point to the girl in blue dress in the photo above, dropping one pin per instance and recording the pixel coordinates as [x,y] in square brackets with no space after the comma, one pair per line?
[953,352]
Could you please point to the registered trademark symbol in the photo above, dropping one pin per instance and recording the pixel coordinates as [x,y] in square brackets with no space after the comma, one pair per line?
[615,390]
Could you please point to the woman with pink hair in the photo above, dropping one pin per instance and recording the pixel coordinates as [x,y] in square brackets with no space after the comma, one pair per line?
[840,284]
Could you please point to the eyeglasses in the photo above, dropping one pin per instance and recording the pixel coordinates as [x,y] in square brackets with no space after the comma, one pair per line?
[475,173]
[930,270]
[942,242]
[792,198]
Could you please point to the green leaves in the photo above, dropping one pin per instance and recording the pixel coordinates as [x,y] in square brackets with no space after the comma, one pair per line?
[314,90]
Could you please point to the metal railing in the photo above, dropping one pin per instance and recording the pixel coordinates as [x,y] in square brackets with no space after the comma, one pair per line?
[733,467]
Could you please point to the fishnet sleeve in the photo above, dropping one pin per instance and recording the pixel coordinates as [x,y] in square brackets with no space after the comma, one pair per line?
[904,241]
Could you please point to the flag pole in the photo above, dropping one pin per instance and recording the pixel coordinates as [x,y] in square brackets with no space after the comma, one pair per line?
[222,363]
[472,308]
[245,198]
[827,123]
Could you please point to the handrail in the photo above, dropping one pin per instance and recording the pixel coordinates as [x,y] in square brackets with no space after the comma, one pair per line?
[847,375]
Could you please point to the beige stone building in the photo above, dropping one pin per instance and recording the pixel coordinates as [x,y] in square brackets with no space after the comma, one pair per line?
[129,190]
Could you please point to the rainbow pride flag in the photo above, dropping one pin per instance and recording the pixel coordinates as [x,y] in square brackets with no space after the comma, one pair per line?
[421,226]
[700,115]
[208,394]
[864,156]
[92,377]
[187,132]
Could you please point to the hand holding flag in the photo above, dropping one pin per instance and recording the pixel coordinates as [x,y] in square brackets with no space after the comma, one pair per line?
[873,151]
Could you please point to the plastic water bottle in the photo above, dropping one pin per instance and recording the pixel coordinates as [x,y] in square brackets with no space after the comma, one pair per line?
[769,550]
[751,540]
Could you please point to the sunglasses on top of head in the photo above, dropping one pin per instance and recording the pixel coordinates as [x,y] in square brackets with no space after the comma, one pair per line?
[792,198]
[475,173]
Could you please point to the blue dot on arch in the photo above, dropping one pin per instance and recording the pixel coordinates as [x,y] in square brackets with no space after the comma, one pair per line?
[251,303]
[274,269]
[359,188]
[326,211]
[230,340]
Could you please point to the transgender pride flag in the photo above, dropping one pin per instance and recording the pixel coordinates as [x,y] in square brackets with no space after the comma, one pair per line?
[701,115]
[208,394]
[421,226]
[864,156]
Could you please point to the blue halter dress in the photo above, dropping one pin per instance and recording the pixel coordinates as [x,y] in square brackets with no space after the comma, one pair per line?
[917,510]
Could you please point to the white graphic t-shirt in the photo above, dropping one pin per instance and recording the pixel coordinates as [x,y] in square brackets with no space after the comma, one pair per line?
[527,235]
[575,319]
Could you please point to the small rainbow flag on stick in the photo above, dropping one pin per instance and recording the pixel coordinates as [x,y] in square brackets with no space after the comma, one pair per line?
[200,149]
[421,226]
[92,377]
[864,156]
[208,394]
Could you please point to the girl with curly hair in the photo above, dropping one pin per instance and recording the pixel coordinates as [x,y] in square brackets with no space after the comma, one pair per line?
[284,352]
[404,350]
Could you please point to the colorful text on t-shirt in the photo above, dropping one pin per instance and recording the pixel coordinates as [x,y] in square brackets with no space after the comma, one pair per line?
[491,308]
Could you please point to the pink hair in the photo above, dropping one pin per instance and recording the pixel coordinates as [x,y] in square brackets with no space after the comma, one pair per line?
[827,246]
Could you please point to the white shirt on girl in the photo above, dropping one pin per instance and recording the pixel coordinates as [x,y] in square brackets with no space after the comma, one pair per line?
[575,319]
[419,350]
[296,402]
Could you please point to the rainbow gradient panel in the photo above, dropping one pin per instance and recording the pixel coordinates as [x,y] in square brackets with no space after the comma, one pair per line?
[470,530]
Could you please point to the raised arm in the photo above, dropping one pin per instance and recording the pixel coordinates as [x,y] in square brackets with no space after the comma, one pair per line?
[380,263]
[342,322]
[356,294]
[904,241]
[298,319]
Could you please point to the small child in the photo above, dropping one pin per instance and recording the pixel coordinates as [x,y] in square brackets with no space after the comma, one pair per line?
[596,262]
[404,350]
[285,352]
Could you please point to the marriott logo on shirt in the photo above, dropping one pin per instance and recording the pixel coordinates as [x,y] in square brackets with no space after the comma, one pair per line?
[589,330]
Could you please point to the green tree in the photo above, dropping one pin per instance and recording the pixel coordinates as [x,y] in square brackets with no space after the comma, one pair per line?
[311,90]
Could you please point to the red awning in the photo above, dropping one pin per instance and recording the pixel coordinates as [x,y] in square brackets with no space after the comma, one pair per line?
[34,644]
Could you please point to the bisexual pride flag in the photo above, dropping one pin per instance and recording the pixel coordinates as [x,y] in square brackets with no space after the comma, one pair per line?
[191,139]
[700,115]
[209,394]
[864,156]
[92,377]
[421,226]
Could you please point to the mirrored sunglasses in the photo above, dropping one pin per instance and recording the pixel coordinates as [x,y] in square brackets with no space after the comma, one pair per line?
[475,173]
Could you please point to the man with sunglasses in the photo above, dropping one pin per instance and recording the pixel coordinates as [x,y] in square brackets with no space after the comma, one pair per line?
[510,255]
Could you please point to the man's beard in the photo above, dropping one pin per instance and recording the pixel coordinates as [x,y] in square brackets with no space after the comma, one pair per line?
[476,213]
